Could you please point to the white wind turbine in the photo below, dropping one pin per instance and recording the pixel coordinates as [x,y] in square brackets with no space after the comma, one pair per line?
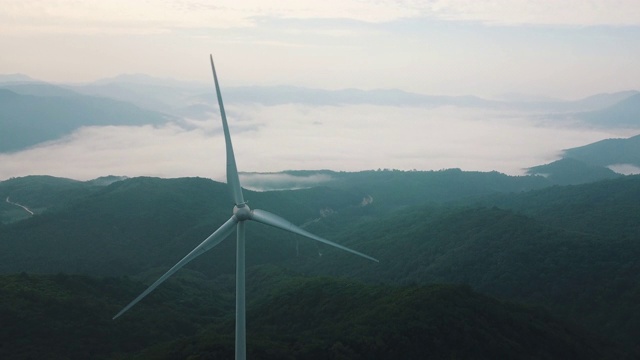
[241,213]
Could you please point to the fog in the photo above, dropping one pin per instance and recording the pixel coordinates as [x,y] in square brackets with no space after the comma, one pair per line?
[302,137]
[563,50]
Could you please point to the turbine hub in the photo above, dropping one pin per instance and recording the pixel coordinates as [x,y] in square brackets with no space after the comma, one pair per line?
[242,213]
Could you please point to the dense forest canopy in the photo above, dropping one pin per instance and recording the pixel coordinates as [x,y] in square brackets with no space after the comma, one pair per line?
[566,254]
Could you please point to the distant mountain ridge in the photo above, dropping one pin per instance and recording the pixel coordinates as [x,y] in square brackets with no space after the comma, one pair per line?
[40,89]
[179,97]
[625,113]
[608,152]
[33,112]
[45,112]
[568,171]
[9,78]
[608,99]
[592,162]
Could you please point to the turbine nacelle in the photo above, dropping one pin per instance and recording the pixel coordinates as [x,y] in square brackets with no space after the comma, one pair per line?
[242,212]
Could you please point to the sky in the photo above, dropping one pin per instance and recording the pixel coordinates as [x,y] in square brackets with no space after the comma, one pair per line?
[566,49]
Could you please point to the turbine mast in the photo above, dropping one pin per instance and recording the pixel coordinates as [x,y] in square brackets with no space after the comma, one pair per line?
[241,317]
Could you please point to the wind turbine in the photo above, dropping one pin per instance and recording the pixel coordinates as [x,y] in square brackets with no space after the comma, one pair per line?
[241,213]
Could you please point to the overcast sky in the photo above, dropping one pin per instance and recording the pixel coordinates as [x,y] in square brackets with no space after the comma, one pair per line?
[565,49]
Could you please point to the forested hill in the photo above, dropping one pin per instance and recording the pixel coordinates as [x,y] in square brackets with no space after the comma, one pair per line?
[393,189]
[608,152]
[607,208]
[382,190]
[69,317]
[136,224]
[570,249]
[38,194]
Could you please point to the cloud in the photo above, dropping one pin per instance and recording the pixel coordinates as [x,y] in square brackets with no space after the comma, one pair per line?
[145,17]
[301,137]
[437,47]
[280,181]
[625,169]
[538,12]
[121,16]
[362,137]
[90,152]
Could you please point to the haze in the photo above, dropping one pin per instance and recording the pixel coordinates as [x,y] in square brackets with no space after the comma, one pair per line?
[298,137]
[505,49]
[566,49]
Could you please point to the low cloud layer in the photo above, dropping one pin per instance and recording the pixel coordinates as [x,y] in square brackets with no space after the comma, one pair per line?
[281,181]
[298,137]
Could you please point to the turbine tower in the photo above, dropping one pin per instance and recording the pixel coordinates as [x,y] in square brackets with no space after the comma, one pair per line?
[241,213]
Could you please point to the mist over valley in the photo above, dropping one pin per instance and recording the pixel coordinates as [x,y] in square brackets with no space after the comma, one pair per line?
[143,126]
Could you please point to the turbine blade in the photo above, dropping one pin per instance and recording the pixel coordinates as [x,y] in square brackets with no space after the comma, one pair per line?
[268,218]
[232,170]
[214,239]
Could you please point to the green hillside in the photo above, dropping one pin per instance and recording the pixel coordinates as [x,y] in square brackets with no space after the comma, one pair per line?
[69,317]
[606,208]
[570,171]
[39,194]
[320,318]
[141,223]
[570,249]
[394,189]
[608,152]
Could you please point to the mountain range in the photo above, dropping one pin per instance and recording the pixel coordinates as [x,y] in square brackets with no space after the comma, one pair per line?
[33,111]
[473,265]
[31,114]
[570,250]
